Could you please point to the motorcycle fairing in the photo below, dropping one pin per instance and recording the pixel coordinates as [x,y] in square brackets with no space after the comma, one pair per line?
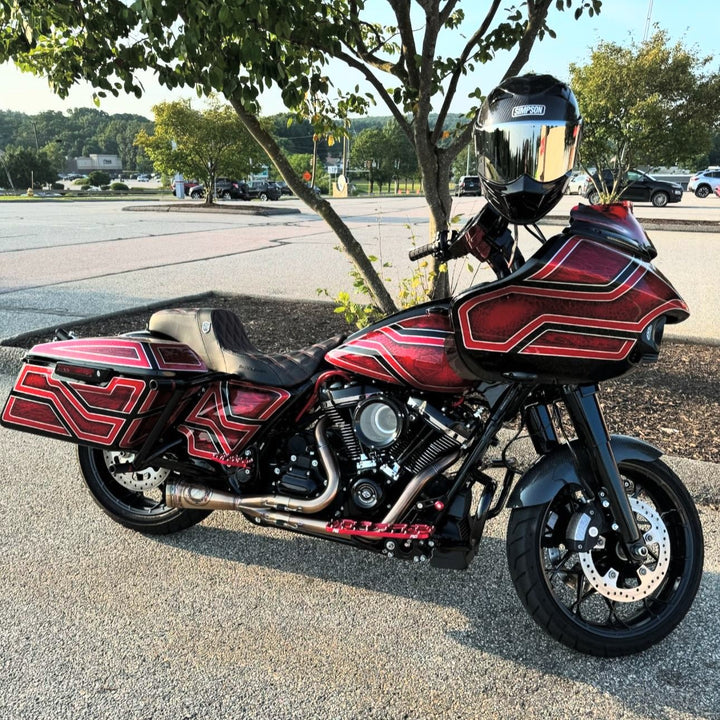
[408,348]
[574,313]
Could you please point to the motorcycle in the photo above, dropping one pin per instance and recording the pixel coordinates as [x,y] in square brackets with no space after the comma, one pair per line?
[396,439]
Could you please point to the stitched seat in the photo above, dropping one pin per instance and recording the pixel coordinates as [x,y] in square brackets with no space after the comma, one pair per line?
[219,337]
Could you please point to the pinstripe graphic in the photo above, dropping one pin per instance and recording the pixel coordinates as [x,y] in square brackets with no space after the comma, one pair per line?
[408,351]
[227,416]
[571,300]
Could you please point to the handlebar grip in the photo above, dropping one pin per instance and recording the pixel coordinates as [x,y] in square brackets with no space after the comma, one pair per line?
[422,251]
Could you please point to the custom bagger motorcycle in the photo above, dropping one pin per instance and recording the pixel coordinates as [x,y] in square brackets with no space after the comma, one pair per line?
[395,439]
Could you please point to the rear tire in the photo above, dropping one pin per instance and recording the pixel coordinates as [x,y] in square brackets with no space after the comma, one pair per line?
[610,612]
[703,191]
[594,197]
[138,509]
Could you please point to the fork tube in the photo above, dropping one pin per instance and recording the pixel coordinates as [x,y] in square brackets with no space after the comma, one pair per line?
[587,418]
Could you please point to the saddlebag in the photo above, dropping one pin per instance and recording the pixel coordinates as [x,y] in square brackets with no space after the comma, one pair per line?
[106,392]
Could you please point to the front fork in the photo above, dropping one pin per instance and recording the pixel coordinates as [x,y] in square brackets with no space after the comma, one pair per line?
[587,418]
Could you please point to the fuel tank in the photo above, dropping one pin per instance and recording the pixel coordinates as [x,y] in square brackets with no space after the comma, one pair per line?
[587,306]
[408,348]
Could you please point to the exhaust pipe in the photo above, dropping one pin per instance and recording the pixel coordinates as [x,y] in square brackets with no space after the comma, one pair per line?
[264,507]
[189,495]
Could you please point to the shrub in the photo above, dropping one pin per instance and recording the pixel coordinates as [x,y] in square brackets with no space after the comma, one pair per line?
[119,186]
[99,178]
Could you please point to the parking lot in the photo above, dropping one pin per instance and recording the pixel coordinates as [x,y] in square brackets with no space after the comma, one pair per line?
[227,620]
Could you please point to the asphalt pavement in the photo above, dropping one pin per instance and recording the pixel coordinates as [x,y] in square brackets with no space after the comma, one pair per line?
[227,620]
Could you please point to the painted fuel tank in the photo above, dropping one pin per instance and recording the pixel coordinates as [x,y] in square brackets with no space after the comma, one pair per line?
[408,348]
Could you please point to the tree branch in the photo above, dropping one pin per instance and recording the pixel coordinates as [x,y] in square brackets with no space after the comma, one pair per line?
[455,77]
[537,13]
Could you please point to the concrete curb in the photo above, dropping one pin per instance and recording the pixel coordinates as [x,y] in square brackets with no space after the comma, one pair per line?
[239,209]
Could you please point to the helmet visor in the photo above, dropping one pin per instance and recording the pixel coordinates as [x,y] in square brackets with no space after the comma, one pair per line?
[543,152]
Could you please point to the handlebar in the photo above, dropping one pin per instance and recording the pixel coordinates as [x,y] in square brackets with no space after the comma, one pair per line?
[424,250]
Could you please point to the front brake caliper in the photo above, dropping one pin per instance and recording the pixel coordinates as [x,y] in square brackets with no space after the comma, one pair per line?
[586,526]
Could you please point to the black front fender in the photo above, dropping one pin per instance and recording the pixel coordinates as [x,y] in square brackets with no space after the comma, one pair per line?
[542,482]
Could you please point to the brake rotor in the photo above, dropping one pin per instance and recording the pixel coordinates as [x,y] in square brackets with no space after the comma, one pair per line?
[138,480]
[613,584]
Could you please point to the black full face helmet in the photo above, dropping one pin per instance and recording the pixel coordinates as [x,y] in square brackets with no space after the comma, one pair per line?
[526,135]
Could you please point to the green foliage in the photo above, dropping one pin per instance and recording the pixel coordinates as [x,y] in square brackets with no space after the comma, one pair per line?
[26,167]
[241,48]
[99,177]
[202,144]
[647,104]
[78,132]
[119,187]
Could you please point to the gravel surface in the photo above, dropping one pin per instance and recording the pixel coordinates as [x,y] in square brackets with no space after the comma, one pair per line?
[674,404]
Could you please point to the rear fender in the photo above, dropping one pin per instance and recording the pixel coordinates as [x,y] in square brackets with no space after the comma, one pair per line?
[552,472]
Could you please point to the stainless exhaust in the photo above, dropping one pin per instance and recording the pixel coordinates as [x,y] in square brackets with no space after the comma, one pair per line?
[265,508]
[189,495]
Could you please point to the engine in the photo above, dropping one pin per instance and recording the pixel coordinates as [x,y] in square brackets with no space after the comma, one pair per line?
[382,441]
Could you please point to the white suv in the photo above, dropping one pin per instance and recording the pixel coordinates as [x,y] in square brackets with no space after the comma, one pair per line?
[703,183]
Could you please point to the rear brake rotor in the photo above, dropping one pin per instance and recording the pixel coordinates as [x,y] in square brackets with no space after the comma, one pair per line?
[139,480]
[615,583]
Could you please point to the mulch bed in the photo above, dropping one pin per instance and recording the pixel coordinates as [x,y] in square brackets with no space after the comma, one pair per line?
[674,404]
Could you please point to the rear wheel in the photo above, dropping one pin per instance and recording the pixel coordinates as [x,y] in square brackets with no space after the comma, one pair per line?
[135,499]
[593,197]
[263,196]
[703,191]
[600,602]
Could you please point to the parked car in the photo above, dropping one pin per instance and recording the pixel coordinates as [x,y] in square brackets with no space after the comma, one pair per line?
[468,185]
[225,188]
[578,184]
[282,186]
[704,182]
[638,186]
[143,178]
[262,190]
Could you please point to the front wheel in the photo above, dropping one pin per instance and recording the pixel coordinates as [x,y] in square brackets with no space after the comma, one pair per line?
[660,199]
[594,197]
[702,191]
[600,602]
[133,499]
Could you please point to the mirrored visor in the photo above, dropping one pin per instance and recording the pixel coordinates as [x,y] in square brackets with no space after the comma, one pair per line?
[510,150]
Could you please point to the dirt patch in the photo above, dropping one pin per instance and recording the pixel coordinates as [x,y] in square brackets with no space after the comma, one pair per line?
[674,404]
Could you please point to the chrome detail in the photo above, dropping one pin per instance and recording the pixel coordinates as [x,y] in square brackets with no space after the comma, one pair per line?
[415,486]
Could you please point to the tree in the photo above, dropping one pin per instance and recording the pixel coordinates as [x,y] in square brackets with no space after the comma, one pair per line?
[27,167]
[241,47]
[200,143]
[647,104]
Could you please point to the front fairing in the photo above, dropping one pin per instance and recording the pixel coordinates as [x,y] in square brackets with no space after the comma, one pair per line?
[586,307]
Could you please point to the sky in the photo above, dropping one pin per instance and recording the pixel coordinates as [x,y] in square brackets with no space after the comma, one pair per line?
[620,21]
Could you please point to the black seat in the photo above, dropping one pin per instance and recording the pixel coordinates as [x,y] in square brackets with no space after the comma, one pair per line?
[219,338]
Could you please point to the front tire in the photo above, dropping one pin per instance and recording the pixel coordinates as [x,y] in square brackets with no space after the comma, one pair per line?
[660,199]
[135,500]
[702,191]
[594,197]
[587,611]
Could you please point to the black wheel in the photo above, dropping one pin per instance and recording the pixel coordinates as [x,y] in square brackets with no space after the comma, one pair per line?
[593,197]
[263,197]
[134,500]
[660,199]
[703,191]
[225,195]
[599,602]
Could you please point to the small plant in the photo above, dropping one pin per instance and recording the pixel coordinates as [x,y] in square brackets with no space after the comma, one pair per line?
[411,291]
[119,187]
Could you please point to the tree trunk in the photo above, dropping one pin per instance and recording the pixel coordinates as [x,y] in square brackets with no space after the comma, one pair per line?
[352,247]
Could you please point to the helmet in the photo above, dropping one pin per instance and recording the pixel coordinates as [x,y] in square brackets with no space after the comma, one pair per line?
[526,135]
